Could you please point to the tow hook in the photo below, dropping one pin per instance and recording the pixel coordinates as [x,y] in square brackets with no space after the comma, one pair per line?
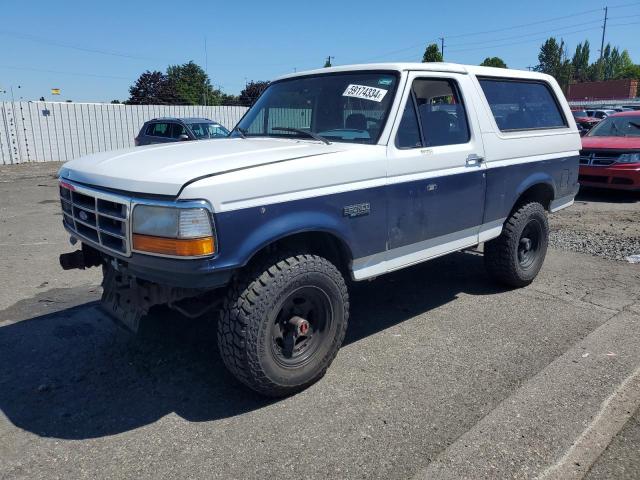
[80,259]
[300,325]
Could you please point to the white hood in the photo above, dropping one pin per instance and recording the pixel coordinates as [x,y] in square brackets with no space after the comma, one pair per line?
[163,169]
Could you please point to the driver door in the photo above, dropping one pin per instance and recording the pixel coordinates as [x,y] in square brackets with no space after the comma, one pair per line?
[436,175]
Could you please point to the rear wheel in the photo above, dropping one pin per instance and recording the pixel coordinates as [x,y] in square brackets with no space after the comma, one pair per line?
[283,323]
[516,256]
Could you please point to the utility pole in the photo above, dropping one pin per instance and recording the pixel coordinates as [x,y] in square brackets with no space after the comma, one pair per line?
[604,31]
[442,47]
[328,62]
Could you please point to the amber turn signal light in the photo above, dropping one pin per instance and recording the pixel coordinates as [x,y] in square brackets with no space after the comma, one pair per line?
[179,247]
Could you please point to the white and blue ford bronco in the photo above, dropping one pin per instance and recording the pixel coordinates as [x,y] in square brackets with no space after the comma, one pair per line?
[335,175]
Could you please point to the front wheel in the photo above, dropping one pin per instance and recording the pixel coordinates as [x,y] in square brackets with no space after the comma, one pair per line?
[516,256]
[283,323]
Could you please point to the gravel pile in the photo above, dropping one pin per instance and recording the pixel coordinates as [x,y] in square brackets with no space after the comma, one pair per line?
[599,244]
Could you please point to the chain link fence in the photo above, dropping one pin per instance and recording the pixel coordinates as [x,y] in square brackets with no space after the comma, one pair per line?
[52,131]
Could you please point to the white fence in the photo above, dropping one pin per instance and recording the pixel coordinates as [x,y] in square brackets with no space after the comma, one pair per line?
[52,131]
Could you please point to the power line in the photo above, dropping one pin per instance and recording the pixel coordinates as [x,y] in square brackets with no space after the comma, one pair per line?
[400,50]
[37,39]
[625,5]
[549,20]
[624,24]
[537,39]
[525,35]
[485,32]
[12,67]
[520,43]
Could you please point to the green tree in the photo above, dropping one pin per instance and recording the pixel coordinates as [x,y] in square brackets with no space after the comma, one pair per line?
[580,62]
[192,84]
[251,92]
[432,54]
[227,99]
[625,60]
[550,57]
[493,62]
[553,61]
[612,62]
[630,71]
[595,72]
[153,88]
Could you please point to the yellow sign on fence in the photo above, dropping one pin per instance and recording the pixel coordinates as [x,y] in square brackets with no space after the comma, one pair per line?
[55,91]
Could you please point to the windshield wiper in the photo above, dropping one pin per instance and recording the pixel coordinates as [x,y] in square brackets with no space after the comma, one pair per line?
[315,136]
[241,131]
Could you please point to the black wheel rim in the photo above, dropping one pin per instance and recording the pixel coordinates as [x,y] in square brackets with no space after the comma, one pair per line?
[300,326]
[530,243]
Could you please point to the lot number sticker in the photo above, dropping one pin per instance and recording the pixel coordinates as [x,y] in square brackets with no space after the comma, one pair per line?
[364,92]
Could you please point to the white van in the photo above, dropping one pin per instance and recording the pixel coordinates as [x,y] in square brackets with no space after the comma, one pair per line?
[334,175]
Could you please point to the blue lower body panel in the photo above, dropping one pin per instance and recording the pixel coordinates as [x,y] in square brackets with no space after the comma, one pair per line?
[367,221]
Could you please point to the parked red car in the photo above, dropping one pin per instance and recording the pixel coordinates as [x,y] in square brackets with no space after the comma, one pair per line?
[584,121]
[610,155]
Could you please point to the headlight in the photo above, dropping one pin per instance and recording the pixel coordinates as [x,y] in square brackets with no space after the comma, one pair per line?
[629,158]
[183,232]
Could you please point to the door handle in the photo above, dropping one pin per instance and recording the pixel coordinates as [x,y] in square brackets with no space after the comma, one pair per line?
[474,159]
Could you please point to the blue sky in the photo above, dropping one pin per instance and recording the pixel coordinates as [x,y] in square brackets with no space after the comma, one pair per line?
[46,45]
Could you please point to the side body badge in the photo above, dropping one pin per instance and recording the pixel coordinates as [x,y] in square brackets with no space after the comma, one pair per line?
[357,210]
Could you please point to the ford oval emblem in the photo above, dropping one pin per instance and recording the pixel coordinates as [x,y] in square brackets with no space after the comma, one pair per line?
[83,216]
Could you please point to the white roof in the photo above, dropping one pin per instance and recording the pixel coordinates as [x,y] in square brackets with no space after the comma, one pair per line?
[427,67]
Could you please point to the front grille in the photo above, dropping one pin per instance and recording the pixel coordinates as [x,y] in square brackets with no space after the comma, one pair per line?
[592,179]
[621,181]
[97,217]
[596,158]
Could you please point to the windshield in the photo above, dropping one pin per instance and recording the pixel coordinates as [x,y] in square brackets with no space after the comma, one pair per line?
[617,127]
[579,113]
[208,130]
[341,107]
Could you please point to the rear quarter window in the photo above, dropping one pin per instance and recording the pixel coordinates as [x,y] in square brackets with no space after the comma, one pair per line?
[522,104]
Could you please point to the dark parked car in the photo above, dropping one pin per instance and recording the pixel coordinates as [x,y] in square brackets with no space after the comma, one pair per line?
[164,130]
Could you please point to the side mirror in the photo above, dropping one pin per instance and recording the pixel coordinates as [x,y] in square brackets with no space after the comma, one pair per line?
[183,137]
[583,132]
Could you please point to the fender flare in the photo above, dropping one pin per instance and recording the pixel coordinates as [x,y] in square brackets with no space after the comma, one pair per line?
[533,180]
[282,226]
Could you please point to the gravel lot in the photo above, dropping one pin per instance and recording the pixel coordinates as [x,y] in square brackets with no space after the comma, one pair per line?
[601,222]
[442,375]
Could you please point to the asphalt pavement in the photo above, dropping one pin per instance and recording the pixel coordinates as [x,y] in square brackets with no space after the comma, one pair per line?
[442,375]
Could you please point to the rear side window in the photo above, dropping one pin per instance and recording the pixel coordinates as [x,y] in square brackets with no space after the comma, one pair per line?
[177,130]
[522,105]
[158,130]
